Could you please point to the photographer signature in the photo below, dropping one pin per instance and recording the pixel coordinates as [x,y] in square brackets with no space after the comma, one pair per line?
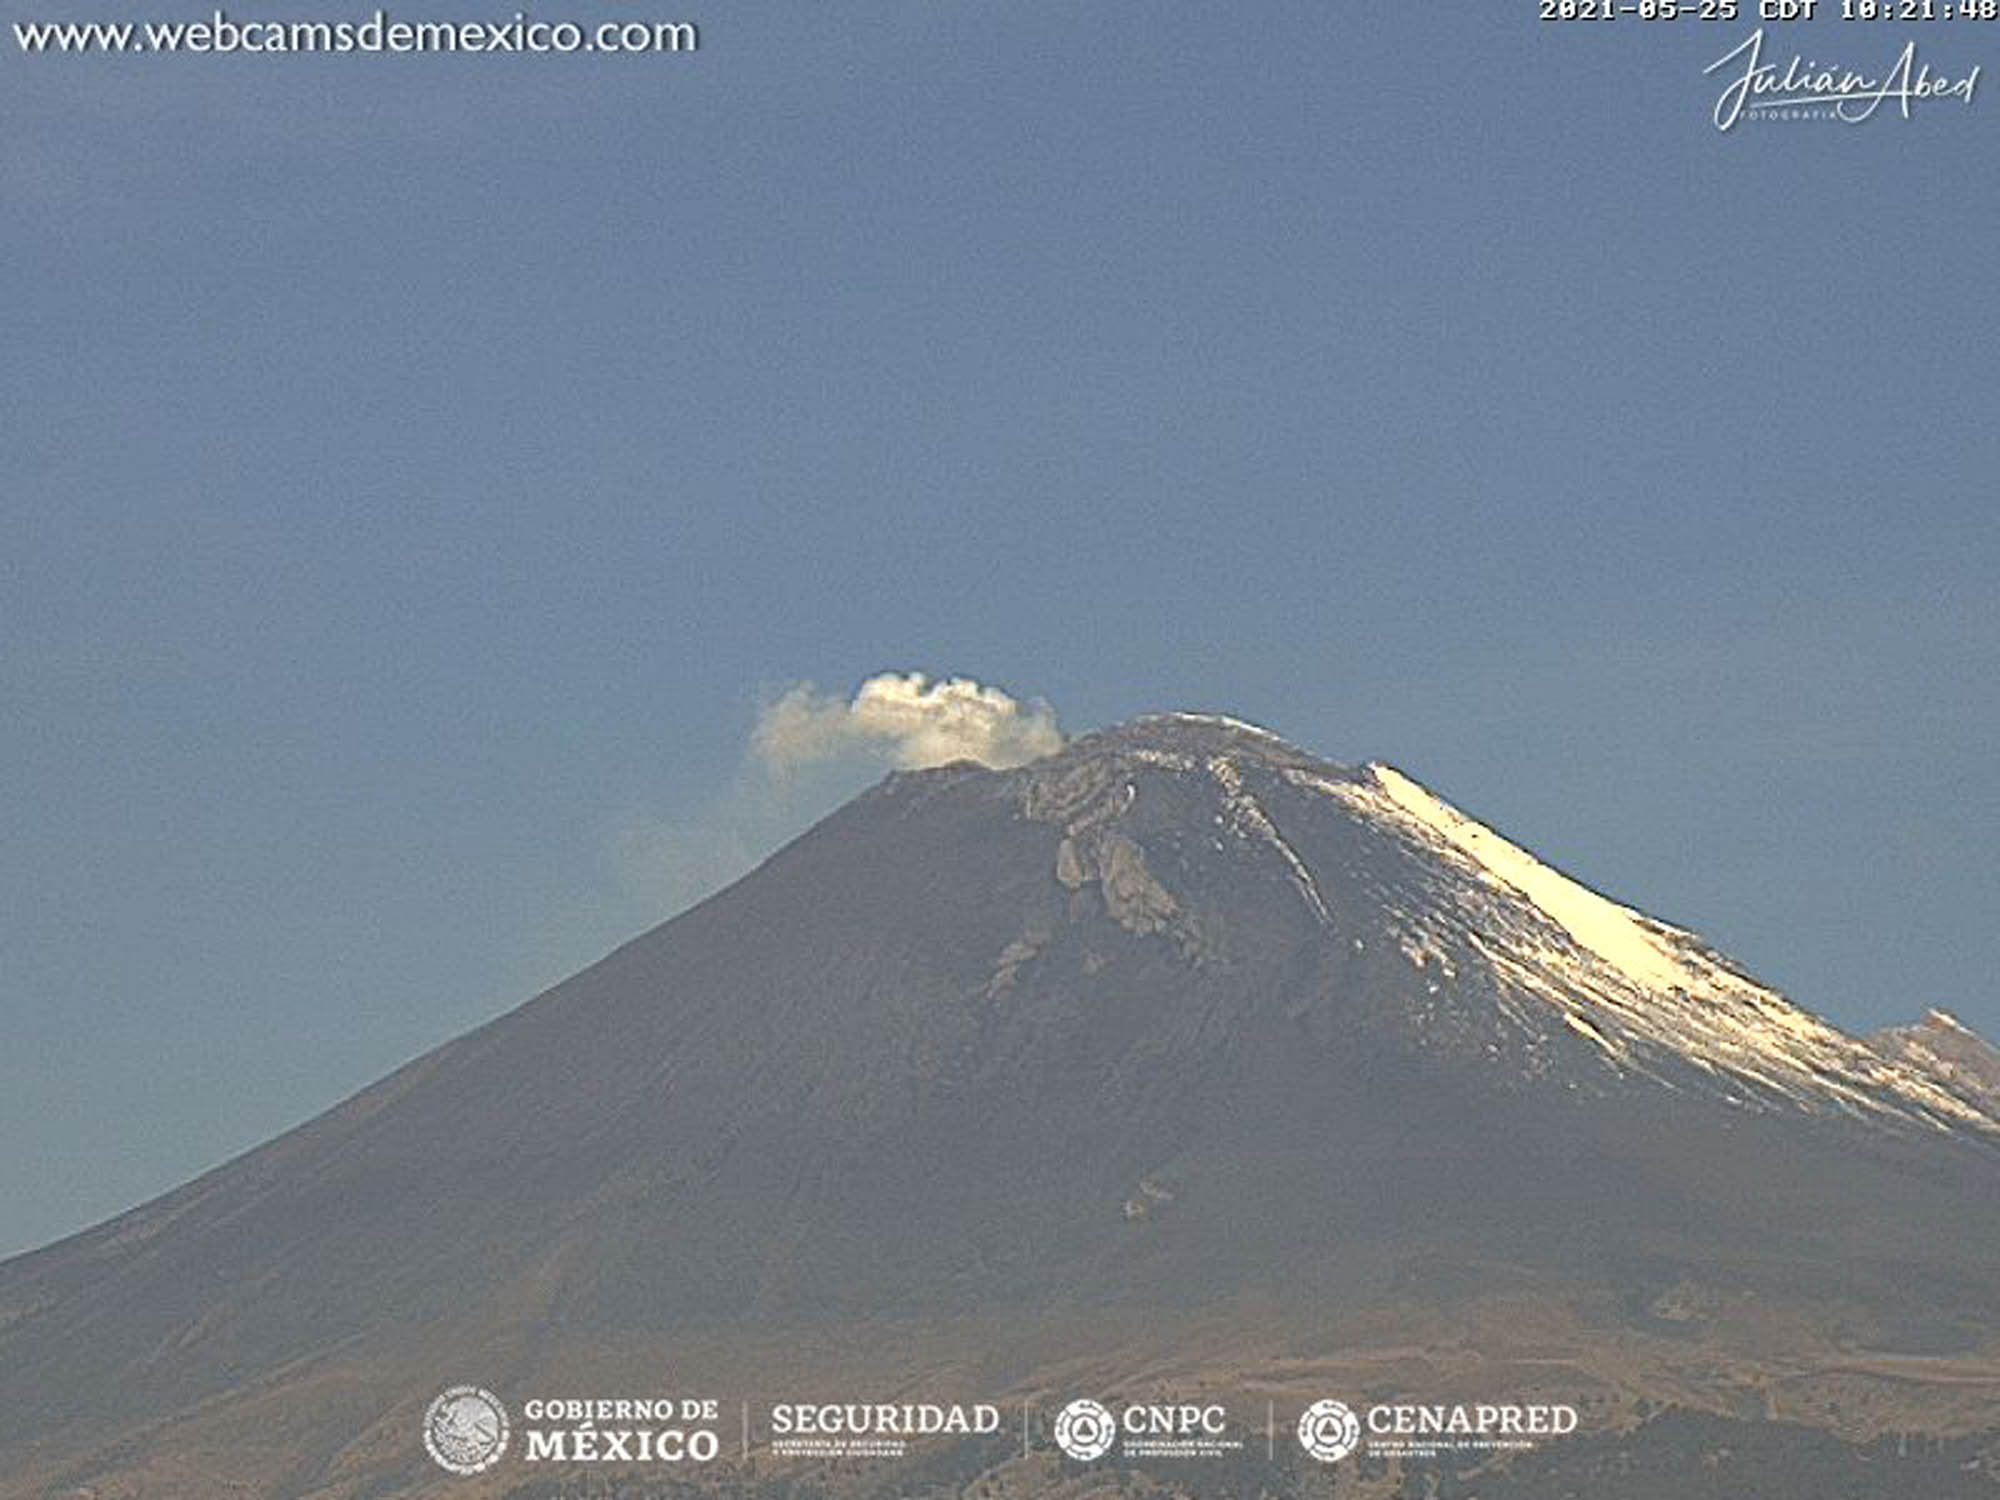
[1847,95]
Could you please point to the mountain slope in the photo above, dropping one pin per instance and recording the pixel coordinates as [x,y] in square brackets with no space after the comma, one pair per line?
[1178,1049]
[1941,1048]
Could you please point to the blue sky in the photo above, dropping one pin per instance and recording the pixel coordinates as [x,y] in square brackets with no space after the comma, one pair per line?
[418,471]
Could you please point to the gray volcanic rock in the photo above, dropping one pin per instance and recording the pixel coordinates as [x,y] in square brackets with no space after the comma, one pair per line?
[1180,1028]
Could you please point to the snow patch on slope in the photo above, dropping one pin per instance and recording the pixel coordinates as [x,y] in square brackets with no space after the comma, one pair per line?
[1251,818]
[1217,721]
[1615,933]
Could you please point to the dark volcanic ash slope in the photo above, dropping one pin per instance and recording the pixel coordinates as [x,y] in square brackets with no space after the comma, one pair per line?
[1179,1018]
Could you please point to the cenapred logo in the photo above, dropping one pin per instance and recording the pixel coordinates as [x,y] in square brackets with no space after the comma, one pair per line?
[1085,1430]
[1329,1431]
[465,1430]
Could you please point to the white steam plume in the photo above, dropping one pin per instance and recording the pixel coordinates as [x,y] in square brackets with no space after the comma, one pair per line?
[908,720]
[807,752]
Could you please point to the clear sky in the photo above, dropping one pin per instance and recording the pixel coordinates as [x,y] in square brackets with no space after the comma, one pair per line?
[416,472]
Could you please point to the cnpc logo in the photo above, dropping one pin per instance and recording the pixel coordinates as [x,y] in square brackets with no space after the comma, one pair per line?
[1087,1430]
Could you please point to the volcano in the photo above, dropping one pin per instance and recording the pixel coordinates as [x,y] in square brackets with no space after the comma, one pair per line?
[1179,1057]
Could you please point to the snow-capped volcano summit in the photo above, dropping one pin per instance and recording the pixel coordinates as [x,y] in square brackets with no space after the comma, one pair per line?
[1515,958]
